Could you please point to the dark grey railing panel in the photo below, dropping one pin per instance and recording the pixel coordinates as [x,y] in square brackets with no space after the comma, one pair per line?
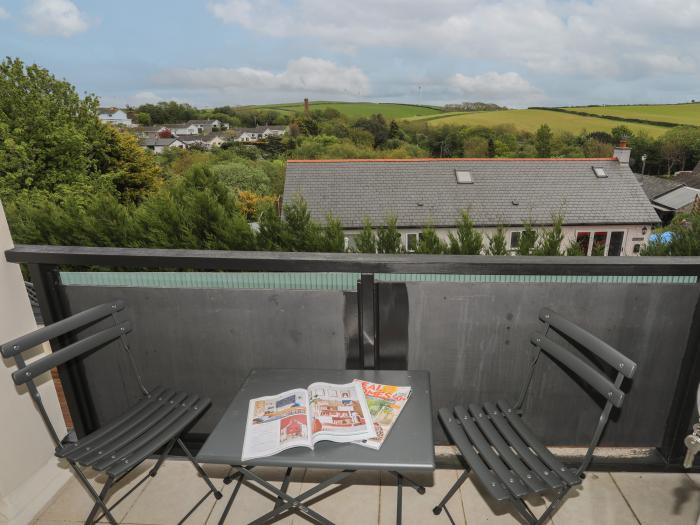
[206,341]
[474,338]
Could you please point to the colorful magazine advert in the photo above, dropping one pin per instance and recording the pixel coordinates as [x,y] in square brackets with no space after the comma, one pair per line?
[385,403]
[303,417]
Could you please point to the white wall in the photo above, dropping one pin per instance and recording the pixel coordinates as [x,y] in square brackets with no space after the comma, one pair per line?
[29,473]
[632,235]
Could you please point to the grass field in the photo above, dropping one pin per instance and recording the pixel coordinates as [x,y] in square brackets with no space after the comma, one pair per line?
[676,113]
[531,119]
[361,109]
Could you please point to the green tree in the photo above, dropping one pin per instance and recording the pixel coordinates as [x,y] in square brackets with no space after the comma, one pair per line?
[468,240]
[429,241]
[272,234]
[333,236]
[497,242]
[366,240]
[303,234]
[143,118]
[550,239]
[528,240]
[574,249]
[543,141]
[388,236]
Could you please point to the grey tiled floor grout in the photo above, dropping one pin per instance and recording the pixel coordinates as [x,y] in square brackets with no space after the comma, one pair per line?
[624,498]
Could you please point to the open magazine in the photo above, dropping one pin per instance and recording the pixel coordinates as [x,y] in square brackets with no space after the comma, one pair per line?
[385,403]
[303,417]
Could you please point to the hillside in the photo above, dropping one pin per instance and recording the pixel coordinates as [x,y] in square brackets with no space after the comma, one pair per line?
[531,119]
[360,109]
[688,114]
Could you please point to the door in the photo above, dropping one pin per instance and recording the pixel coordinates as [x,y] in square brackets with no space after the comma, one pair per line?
[615,247]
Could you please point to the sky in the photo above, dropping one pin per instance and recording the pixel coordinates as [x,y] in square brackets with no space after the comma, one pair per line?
[517,53]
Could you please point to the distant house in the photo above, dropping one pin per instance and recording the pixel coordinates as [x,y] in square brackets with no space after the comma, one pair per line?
[180,128]
[207,126]
[157,144]
[114,116]
[689,178]
[259,133]
[207,141]
[668,195]
[603,207]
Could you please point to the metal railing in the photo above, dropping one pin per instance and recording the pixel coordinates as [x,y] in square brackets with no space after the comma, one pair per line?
[469,334]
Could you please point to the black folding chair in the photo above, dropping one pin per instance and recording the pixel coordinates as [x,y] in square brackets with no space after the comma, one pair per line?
[157,421]
[508,459]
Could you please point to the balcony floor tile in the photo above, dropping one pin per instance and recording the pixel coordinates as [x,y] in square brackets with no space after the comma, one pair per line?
[618,498]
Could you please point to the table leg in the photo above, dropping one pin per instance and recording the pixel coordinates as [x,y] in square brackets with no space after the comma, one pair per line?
[399,502]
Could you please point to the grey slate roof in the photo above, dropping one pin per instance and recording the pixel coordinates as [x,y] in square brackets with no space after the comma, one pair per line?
[654,186]
[677,199]
[425,191]
[150,142]
[691,179]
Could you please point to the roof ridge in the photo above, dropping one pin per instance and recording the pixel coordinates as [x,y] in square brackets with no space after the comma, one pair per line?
[429,159]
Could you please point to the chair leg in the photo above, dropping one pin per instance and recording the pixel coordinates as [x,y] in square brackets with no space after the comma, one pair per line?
[162,457]
[99,502]
[199,468]
[103,497]
[438,509]
[554,506]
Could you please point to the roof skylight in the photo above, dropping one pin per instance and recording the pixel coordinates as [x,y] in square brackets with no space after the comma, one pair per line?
[599,172]
[464,177]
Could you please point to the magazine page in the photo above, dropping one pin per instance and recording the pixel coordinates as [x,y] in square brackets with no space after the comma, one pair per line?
[339,413]
[276,423]
[385,403]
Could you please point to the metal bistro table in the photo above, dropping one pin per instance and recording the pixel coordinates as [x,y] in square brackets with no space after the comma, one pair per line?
[408,448]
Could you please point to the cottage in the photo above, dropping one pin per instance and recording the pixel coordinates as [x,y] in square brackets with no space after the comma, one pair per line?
[158,144]
[669,196]
[207,141]
[115,116]
[180,128]
[207,126]
[603,206]
[259,133]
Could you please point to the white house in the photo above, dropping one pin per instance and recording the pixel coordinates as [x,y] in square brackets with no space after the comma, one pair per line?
[115,116]
[180,128]
[603,207]
[207,141]
[259,133]
[158,144]
[207,126]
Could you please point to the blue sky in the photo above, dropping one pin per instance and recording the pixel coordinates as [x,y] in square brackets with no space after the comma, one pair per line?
[518,53]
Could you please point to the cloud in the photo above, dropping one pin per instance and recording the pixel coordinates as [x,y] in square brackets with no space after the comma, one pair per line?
[4,13]
[313,75]
[55,18]
[498,87]
[576,37]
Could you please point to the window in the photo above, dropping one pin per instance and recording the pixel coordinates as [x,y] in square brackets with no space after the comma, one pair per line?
[599,240]
[412,240]
[583,239]
[599,172]
[464,177]
[515,240]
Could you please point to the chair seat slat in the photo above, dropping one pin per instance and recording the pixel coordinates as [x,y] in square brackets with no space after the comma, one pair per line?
[536,445]
[529,477]
[544,472]
[143,404]
[491,483]
[117,439]
[483,447]
[120,454]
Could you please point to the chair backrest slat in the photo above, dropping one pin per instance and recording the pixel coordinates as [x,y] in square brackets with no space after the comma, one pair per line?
[580,367]
[600,348]
[59,328]
[59,357]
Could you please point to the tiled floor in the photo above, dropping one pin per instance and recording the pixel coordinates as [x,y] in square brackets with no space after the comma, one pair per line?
[605,498]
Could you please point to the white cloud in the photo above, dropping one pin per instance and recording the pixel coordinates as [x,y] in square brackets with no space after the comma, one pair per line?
[579,37]
[509,88]
[55,17]
[4,13]
[144,97]
[313,75]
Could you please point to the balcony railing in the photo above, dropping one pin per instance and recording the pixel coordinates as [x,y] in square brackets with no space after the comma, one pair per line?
[466,319]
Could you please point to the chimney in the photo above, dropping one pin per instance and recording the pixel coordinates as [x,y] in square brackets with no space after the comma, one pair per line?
[622,152]
[306,106]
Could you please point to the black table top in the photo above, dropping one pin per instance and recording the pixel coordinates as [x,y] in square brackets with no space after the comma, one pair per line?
[408,447]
